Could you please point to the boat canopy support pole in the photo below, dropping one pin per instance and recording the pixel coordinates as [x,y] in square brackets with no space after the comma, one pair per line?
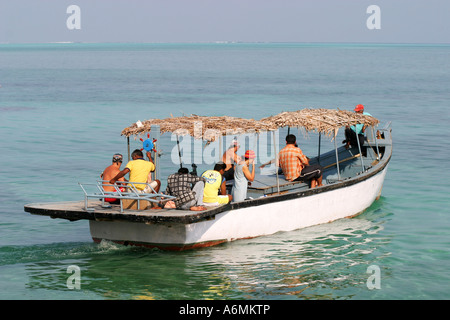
[376,142]
[318,152]
[337,157]
[220,148]
[179,152]
[128,148]
[155,134]
[359,148]
[276,162]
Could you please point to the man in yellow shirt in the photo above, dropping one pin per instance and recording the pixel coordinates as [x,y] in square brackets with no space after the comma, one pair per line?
[140,171]
[214,182]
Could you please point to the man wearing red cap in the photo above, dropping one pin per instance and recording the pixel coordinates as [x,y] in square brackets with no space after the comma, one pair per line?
[242,176]
[351,132]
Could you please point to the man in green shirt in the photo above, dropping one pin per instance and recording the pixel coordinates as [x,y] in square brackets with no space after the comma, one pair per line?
[357,131]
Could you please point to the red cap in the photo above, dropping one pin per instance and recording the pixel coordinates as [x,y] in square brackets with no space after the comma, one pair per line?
[359,107]
[250,154]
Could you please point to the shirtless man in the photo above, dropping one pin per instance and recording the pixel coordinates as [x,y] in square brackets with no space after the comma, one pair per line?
[109,173]
[230,158]
[140,172]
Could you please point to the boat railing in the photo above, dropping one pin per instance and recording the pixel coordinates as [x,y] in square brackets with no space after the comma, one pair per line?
[381,136]
[128,190]
[387,129]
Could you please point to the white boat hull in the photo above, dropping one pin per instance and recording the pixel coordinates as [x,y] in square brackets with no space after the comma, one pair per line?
[247,222]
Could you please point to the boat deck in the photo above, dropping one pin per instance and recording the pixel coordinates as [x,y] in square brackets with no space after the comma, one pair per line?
[264,185]
[75,210]
[96,210]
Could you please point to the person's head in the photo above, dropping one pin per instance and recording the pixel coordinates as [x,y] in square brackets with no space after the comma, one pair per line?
[234,145]
[136,154]
[359,108]
[249,155]
[117,158]
[183,170]
[291,139]
[220,166]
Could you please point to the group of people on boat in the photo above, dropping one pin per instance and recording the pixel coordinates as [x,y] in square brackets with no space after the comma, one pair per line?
[196,193]
[139,171]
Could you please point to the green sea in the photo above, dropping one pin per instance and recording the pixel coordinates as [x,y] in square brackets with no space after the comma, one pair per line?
[63,107]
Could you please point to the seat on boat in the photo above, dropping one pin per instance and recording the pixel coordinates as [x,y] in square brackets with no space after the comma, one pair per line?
[267,184]
[130,199]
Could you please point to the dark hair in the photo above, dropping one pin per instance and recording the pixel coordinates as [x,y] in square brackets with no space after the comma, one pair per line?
[138,153]
[220,166]
[183,170]
[117,157]
[290,139]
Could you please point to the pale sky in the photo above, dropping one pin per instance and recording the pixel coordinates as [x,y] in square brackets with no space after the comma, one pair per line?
[401,21]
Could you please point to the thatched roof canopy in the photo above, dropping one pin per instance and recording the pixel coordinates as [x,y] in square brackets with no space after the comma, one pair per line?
[320,120]
[200,127]
[325,121]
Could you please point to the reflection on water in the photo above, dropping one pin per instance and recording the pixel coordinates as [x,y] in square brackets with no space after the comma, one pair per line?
[323,262]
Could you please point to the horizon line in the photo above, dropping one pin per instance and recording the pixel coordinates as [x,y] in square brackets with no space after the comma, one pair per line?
[224,42]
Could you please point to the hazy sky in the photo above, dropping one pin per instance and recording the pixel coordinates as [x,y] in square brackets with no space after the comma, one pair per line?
[401,21]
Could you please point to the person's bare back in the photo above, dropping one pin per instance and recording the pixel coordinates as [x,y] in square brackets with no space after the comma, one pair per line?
[111,171]
[229,158]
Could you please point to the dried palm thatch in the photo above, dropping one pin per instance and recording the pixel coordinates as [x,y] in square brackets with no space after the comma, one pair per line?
[200,127]
[324,121]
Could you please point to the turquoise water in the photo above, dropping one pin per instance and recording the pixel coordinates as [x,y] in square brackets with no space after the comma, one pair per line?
[63,107]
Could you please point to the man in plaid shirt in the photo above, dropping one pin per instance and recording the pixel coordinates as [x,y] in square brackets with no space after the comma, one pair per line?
[187,188]
[295,164]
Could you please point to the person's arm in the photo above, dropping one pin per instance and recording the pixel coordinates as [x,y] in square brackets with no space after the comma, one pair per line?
[363,130]
[121,174]
[194,179]
[224,157]
[149,156]
[149,176]
[250,176]
[223,188]
[303,159]
[236,158]
[267,163]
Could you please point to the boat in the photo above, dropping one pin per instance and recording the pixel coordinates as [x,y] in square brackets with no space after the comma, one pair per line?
[353,179]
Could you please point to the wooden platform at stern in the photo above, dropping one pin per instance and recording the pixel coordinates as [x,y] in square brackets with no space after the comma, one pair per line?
[75,210]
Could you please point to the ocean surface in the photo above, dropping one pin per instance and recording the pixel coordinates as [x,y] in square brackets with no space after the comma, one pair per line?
[63,107]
